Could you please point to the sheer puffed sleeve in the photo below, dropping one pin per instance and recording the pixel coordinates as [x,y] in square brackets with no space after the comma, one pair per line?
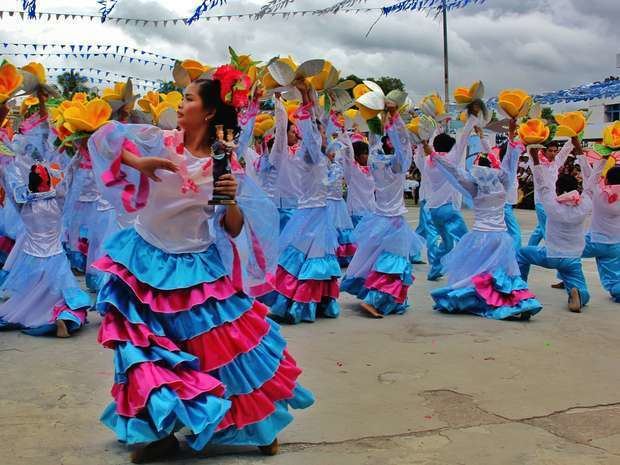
[121,185]
[399,137]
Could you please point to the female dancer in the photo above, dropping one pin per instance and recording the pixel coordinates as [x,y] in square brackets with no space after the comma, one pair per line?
[43,295]
[360,183]
[191,348]
[380,273]
[306,281]
[483,273]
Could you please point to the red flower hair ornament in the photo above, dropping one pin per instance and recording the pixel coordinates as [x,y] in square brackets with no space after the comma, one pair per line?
[235,85]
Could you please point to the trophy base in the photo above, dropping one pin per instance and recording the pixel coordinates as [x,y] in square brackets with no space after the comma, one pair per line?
[222,202]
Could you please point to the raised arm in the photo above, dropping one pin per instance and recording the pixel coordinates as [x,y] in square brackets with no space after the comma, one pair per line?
[247,121]
[459,151]
[279,149]
[399,137]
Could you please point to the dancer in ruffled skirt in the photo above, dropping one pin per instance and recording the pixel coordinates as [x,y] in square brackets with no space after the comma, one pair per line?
[381,273]
[192,350]
[306,280]
[43,296]
[482,270]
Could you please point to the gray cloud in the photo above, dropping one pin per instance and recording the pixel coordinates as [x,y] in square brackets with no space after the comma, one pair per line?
[538,45]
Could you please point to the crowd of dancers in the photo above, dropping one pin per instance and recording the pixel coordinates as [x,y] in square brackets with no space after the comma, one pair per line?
[191,291]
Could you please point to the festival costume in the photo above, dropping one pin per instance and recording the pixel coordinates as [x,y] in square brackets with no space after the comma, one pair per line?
[539,233]
[381,273]
[81,214]
[426,229]
[306,280]
[482,270]
[36,281]
[443,200]
[289,167]
[191,348]
[564,241]
[603,239]
[360,188]
[338,212]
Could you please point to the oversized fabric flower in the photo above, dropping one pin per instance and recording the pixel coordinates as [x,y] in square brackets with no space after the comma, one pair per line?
[10,81]
[264,123]
[27,103]
[87,117]
[421,128]
[121,96]
[534,131]
[269,81]
[57,113]
[36,69]
[194,68]
[464,95]
[235,85]
[360,90]
[514,103]
[374,102]
[174,98]
[434,107]
[291,107]
[151,99]
[571,124]
[611,136]
[80,97]
[113,93]
[328,77]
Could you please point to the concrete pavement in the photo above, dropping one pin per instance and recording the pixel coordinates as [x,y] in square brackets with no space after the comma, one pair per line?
[422,388]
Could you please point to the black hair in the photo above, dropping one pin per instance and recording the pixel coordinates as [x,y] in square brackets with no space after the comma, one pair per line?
[443,143]
[483,160]
[359,148]
[613,176]
[34,179]
[503,148]
[209,91]
[289,124]
[566,183]
[388,147]
[270,143]
[552,144]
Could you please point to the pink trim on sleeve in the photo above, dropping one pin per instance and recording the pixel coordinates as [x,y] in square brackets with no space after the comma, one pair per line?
[133,198]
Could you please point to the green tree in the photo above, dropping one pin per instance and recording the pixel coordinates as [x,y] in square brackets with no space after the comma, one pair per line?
[166,87]
[352,77]
[547,114]
[71,82]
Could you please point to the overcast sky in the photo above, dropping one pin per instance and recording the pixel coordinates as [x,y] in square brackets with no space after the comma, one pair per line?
[538,45]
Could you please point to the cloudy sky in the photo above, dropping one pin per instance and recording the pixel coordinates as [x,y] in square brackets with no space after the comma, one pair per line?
[538,45]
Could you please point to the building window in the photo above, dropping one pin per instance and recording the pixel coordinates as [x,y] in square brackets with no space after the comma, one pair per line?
[612,113]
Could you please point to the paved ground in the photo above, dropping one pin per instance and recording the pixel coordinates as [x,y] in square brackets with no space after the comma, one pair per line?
[422,388]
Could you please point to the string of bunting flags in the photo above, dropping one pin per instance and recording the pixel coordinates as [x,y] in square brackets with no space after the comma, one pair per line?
[102,73]
[87,56]
[608,88]
[110,82]
[419,5]
[96,48]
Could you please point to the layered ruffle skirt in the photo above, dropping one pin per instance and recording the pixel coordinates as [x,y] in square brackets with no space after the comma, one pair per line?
[81,221]
[380,272]
[306,280]
[37,291]
[339,216]
[484,279]
[190,350]
[104,225]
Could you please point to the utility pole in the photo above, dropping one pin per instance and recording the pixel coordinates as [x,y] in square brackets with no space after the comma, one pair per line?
[446,79]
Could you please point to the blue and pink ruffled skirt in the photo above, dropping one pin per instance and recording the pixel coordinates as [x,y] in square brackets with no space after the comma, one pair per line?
[306,280]
[191,350]
[381,273]
[339,215]
[81,222]
[484,279]
[37,292]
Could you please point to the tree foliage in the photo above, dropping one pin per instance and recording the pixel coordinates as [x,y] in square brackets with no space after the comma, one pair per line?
[72,82]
